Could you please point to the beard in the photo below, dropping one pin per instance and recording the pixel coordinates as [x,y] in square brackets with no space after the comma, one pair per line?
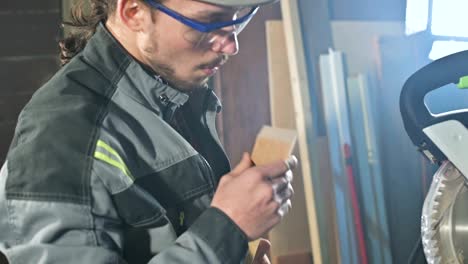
[167,73]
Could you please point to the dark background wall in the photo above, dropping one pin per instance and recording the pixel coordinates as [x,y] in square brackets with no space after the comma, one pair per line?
[28,56]
[243,87]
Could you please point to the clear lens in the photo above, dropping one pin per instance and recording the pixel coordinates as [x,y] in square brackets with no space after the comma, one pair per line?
[206,40]
[201,39]
[239,14]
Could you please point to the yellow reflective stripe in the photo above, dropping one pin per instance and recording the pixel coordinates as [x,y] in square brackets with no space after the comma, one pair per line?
[103,145]
[113,162]
[119,163]
[112,151]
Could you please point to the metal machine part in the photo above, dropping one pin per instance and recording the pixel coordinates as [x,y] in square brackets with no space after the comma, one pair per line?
[451,137]
[444,222]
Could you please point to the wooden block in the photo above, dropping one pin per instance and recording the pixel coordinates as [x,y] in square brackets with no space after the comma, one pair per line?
[273,144]
[253,246]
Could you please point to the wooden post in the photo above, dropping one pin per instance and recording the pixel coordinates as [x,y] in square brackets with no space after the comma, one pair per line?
[318,229]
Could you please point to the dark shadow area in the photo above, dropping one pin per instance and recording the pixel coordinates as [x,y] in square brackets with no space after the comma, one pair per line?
[3,259]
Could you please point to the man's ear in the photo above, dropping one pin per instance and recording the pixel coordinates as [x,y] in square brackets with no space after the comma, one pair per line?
[132,13]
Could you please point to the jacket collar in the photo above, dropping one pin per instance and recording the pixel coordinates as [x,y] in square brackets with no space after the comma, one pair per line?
[110,58]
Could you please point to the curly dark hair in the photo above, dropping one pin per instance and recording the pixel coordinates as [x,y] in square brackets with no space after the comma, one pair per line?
[83,26]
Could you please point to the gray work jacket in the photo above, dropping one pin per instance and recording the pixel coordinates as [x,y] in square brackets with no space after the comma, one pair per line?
[96,175]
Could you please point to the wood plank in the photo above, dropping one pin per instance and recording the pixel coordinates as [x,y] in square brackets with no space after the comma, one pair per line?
[282,113]
[292,234]
[369,177]
[352,243]
[304,121]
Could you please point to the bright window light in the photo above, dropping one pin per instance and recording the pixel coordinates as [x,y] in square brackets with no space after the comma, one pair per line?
[449,18]
[443,48]
[417,13]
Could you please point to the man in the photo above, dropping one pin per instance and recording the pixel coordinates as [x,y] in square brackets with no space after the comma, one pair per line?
[116,158]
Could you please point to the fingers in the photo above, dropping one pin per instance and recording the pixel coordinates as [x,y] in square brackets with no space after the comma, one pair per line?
[282,197]
[289,176]
[245,163]
[278,168]
[284,194]
[280,183]
[291,162]
[284,208]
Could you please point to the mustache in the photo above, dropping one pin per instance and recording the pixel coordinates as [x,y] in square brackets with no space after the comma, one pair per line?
[217,62]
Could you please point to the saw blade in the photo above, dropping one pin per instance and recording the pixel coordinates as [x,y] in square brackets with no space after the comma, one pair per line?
[444,222]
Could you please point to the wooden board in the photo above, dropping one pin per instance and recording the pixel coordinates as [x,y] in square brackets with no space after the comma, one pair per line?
[292,234]
[370,175]
[303,117]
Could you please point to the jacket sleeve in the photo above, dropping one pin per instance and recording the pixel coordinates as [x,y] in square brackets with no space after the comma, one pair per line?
[220,244]
[213,238]
[34,230]
[41,231]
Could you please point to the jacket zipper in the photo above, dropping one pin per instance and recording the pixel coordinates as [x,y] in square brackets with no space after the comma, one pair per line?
[212,178]
[181,218]
[214,135]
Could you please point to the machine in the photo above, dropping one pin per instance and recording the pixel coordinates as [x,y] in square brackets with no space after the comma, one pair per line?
[443,139]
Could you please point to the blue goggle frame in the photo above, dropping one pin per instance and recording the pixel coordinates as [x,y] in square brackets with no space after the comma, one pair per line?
[200,26]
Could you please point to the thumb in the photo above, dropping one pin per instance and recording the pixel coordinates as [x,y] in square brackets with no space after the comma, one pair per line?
[244,164]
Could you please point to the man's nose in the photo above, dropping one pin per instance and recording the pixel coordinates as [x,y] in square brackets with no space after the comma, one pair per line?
[228,45]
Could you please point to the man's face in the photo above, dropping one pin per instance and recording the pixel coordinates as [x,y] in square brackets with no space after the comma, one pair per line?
[168,46]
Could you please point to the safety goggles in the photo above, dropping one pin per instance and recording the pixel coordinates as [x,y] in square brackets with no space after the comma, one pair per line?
[220,29]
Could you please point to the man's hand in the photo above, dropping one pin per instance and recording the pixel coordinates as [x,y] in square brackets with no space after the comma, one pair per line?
[256,198]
